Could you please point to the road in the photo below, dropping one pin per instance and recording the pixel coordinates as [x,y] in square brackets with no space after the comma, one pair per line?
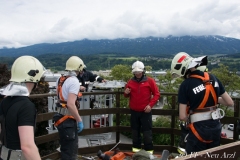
[228,132]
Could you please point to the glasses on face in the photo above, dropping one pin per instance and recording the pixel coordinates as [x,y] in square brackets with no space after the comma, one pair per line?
[137,72]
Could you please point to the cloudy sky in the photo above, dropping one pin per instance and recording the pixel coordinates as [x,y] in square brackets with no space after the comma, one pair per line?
[28,22]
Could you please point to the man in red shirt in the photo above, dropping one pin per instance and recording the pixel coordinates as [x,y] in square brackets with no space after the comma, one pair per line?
[143,94]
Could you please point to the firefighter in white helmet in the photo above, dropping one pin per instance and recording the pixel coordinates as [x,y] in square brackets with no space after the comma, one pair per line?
[202,92]
[67,120]
[19,112]
[143,94]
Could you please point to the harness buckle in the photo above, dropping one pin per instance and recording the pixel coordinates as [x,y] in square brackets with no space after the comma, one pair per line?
[218,114]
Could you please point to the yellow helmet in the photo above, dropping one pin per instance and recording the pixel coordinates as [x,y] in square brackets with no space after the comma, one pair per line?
[74,63]
[27,69]
[180,63]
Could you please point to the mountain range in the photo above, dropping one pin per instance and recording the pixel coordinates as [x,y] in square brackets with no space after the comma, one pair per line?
[139,46]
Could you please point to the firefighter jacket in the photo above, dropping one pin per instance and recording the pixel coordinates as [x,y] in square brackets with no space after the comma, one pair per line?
[88,76]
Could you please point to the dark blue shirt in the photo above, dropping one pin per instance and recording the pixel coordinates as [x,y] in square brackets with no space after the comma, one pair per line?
[192,90]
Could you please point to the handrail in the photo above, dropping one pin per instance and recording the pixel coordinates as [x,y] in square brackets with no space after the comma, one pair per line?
[117,110]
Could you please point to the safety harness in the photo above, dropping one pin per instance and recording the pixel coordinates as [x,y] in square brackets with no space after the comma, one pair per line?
[203,111]
[62,103]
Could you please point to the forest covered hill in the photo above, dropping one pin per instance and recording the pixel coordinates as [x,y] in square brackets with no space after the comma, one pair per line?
[152,46]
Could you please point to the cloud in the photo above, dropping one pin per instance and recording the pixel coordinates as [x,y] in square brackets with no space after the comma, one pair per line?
[27,22]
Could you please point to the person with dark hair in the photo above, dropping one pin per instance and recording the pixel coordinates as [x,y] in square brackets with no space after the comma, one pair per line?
[198,96]
[143,94]
[85,77]
[19,113]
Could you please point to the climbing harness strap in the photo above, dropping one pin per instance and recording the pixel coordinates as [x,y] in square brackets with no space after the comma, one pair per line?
[62,119]
[196,134]
[209,89]
[62,103]
[202,113]
[61,80]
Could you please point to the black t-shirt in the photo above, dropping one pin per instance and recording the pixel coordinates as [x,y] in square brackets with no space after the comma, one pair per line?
[20,112]
[191,90]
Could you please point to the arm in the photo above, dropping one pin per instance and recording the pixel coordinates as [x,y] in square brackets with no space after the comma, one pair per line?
[72,107]
[155,93]
[127,91]
[94,77]
[28,146]
[182,112]
[225,99]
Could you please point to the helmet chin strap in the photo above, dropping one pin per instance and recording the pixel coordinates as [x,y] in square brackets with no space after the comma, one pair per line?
[35,86]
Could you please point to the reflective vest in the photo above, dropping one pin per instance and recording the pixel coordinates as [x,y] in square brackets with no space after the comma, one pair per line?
[209,90]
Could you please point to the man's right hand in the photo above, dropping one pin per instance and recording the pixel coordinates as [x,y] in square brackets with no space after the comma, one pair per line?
[127,91]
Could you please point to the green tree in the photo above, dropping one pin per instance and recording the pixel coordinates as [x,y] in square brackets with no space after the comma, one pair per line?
[231,82]
[148,68]
[229,79]
[121,72]
[168,84]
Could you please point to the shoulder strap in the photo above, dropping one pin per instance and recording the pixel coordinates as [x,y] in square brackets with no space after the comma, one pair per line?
[61,80]
[209,89]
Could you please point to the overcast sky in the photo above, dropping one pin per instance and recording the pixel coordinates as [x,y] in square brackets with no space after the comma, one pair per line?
[28,22]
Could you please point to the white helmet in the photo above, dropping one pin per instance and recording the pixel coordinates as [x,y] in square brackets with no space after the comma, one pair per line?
[180,63]
[137,66]
[27,69]
[74,63]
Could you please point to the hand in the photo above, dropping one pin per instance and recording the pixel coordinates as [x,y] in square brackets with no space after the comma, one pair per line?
[82,88]
[127,91]
[104,80]
[147,109]
[80,126]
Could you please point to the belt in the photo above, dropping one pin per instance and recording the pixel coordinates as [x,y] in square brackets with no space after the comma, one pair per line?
[63,111]
[213,114]
[213,108]
[9,154]
[200,116]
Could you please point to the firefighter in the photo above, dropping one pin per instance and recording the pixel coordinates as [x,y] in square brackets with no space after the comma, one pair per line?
[67,120]
[19,112]
[183,125]
[203,91]
[86,76]
[143,93]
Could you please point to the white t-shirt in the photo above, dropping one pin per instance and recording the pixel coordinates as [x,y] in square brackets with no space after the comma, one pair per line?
[71,85]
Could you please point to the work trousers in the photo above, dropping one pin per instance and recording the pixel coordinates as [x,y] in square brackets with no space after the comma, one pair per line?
[209,130]
[68,139]
[141,122]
